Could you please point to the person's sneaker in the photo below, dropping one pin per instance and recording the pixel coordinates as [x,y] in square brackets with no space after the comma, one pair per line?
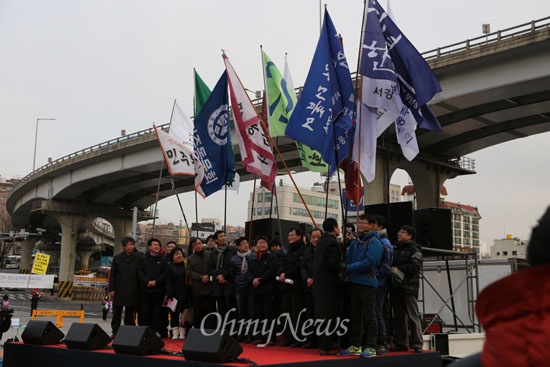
[368,352]
[351,351]
[417,349]
[381,349]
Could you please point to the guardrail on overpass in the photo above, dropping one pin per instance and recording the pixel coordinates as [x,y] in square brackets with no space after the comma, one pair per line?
[489,38]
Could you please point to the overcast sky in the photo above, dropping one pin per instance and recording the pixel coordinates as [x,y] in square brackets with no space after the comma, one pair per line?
[101,66]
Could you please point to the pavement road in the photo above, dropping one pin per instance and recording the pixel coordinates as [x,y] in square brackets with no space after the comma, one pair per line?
[20,301]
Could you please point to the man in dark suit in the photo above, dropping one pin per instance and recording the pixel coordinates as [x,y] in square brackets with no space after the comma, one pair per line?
[123,284]
[326,277]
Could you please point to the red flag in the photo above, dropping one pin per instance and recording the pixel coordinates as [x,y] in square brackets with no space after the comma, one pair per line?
[352,178]
[254,143]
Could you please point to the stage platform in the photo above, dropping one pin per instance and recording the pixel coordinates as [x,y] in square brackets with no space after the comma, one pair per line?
[18,354]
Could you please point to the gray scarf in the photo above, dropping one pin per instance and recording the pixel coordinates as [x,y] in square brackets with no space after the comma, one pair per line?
[219,260]
[244,265]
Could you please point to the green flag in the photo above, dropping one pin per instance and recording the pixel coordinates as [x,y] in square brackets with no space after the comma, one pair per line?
[202,92]
[280,99]
[311,159]
[281,89]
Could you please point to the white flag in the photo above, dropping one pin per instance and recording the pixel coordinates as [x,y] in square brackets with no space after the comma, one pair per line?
[181,127]
[178,158]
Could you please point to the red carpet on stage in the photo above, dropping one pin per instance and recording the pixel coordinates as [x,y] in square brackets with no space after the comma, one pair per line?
[20,354]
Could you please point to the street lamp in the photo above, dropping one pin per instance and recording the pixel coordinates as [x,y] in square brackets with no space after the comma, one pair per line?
[36,138]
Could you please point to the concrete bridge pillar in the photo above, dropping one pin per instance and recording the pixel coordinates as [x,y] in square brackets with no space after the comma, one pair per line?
[26,254]
[85,258]
[70,223]
[377,191]
[122,228]
[428,180]
[54,257]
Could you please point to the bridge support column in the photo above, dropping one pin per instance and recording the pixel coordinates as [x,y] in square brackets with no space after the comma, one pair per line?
[85,258]
[122,228]
[377,191]
[69,234]
[428,181]
[26,255]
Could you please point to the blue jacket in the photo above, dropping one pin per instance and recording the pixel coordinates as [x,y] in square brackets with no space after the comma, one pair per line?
[363,257]
[384,269]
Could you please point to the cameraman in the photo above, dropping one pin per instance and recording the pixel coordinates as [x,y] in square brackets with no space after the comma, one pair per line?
[5,320]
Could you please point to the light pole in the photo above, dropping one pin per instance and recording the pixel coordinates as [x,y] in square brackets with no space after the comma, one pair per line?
[36,139]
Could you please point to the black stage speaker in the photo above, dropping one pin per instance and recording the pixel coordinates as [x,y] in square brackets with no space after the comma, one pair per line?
[434,228]
[211,346]
[140,340]
[42,333]
[396,215]
[270,228]
[86,336]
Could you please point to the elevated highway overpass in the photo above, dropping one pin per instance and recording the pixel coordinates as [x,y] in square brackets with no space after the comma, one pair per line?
[495,89]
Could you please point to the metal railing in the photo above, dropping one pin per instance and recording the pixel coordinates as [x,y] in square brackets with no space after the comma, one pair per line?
[94,148]
[486,39]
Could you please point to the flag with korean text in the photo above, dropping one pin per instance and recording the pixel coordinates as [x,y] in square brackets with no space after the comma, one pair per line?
[181,127]
[213,140]
[254,142]
[396,85]
[322,118]
[178,158]
[281,100]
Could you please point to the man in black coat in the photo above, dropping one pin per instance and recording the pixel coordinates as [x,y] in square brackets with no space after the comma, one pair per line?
[408,259]
[307,278]
[223,289]
[326,275]
[291,275]
[262,272]
[151,274]
[123,284]
[198,271]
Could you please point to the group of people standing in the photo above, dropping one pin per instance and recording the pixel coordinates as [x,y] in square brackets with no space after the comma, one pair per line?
[139,283]
[330,292]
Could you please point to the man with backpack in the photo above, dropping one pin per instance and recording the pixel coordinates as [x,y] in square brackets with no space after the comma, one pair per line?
[362,260]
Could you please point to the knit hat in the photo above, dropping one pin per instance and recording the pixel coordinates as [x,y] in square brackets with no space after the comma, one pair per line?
[538,250]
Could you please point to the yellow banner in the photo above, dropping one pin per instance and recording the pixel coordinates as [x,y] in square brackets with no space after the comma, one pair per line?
[40,263]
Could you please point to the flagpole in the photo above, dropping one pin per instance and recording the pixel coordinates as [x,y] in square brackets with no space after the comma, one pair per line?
[278,216]
[358,98]
[194,109]
[252,210]
[160,179]
[290,175]
[179,202]
[225,209]
[326,188]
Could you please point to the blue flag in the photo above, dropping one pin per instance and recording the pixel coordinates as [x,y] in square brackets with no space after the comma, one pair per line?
[213,140]
[396,85]
[417,83]
[322,118]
